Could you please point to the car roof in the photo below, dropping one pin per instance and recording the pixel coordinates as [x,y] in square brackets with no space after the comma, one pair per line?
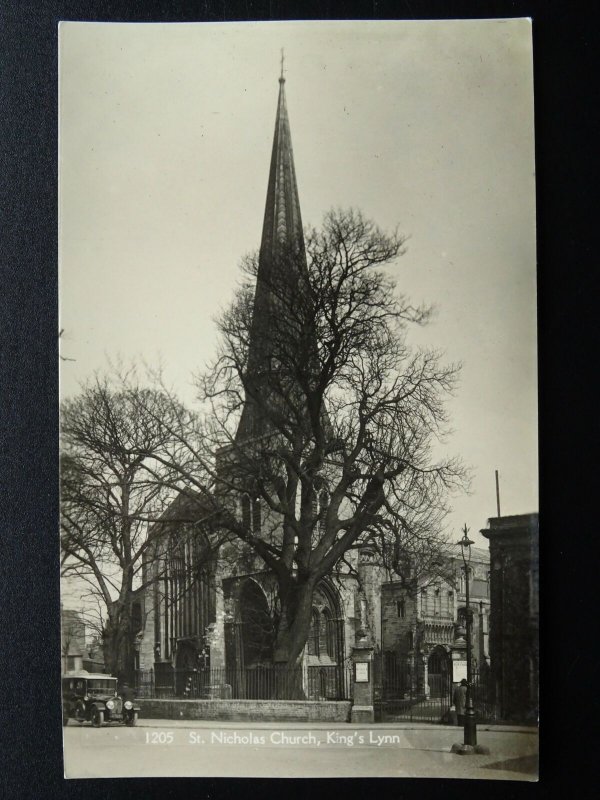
[83,674]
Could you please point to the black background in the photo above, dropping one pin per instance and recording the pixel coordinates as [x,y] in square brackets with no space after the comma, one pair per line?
[565,44]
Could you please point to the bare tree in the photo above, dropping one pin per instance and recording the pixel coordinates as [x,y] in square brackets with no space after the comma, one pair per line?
[72,635]
[319,416]
[115,506]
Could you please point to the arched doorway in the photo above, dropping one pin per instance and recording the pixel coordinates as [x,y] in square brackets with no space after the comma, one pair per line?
[257,626]
[254,677]
[326,637]
[438,673]
[187,683]
[187,656]
[325,645]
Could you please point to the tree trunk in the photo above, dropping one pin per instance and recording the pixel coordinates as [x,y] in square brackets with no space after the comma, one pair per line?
[292,633]
[118,644]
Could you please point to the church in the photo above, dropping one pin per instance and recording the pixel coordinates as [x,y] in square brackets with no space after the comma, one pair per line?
[210,615]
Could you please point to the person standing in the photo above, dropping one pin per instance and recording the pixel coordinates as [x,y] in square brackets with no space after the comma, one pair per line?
[459,699]
[127,692]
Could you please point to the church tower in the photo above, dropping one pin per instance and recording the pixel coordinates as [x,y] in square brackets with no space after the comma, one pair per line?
[278,379]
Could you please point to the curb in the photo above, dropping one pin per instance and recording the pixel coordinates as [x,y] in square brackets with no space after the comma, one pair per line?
[299,725]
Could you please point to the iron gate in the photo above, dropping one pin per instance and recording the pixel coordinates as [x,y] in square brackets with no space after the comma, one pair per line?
[401,694]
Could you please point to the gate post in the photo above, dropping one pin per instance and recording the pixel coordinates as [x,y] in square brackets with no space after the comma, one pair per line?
[363,709]
[426,689]
[458,669]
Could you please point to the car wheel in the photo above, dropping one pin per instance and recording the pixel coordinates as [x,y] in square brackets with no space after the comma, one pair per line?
[97,718]
[132,719]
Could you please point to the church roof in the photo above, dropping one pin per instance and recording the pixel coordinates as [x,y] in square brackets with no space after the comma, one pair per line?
[187,506]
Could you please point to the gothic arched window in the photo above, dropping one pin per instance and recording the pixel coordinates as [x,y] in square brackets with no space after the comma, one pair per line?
[330,634]
[313,636]
[323,507]
[246,512]
[324,631]
[256,516]
[251,513]
[462,616]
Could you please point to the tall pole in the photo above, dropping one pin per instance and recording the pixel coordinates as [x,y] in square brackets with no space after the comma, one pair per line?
[469,744]
[470,725]
[497,494]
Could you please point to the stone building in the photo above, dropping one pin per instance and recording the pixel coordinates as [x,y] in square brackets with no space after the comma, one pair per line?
[219,609]
[183,600]
[514,620]
[78,651]
[72,638]
[423,621]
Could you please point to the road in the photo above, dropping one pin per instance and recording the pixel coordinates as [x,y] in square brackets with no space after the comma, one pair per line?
[165,748]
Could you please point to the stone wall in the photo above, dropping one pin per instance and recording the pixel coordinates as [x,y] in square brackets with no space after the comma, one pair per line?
[147,643]
[397,620]
[514,618]
[247,710]
[370,577]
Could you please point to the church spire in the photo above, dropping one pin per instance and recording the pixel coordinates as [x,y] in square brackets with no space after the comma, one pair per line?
[282,225]
[281,256]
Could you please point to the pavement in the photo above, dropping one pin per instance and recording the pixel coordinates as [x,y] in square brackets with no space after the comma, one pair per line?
[199,748]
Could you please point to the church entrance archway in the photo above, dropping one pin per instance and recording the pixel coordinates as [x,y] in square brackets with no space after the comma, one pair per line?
[257,626]
[254,678]
[187,656]
[439,673]
[186,670]
[325,645]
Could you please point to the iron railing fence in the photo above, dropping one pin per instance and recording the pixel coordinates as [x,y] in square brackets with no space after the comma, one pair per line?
[327,682]
[484,696]
[405,695]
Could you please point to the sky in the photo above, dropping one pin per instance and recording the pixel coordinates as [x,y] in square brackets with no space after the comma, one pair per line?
[164,148]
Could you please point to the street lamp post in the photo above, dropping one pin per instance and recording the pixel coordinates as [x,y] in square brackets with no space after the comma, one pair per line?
[470,722]
[469,744]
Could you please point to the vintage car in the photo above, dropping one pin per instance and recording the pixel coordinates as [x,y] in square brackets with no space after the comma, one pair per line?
[92,697]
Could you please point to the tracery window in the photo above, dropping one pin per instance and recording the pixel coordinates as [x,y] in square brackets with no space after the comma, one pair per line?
[323,507]
[325,644]
[246,512]
[184,591]
[256,516]
[313,637]
[251,513]
[331,640]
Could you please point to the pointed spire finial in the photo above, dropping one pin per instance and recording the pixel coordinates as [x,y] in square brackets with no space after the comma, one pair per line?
[281,78]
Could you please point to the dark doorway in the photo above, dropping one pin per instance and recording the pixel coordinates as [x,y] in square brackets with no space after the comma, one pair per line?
[186,670]
[438,669]
[257,626]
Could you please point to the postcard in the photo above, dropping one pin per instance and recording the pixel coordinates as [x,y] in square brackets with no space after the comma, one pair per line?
[299,499]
